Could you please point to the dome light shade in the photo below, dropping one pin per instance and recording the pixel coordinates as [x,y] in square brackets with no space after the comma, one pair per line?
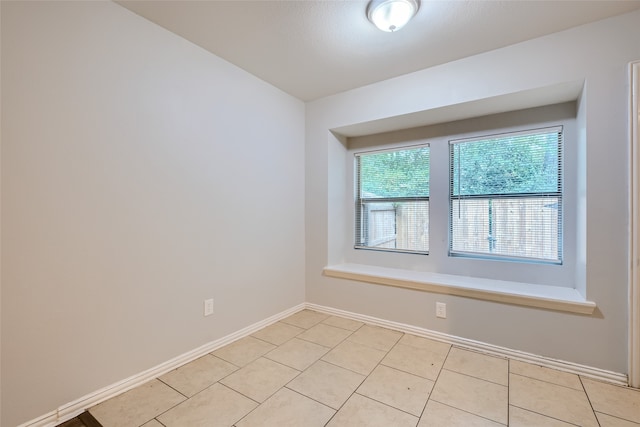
[391,15]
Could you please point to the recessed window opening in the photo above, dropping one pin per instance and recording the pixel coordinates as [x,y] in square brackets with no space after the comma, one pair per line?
[506,196]
[392,199]
[527,175]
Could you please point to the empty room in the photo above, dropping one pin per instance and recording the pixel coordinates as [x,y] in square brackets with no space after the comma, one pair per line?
[319,213]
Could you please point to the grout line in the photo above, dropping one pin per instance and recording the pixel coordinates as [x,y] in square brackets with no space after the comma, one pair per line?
[187,398]
[545,415]
[365,376]
[409,372]
[601,381]
[277,345]
[548,382]
[471,413]
[584,390]
[305,396]
[248,413]
[329,347]
[381,364]
[479,351]
[477,378]
[172,407]
[244,395]
[175,389]
[341,328]
[346,400]
[387,404]
[359,384]
[248,336]
[346,369]
[435,382]
[168,409]
[615,416]
[508,390]
[225,361]
[282,364]
[159,422]
[266,356]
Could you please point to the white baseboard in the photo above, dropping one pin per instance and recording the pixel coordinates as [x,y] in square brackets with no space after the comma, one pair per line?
[73,409]
[561,365]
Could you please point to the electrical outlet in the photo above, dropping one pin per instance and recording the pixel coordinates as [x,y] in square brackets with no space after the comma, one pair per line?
[441,310]
[208,307]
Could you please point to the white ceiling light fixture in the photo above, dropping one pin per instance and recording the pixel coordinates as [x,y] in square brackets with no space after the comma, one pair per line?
[391,15]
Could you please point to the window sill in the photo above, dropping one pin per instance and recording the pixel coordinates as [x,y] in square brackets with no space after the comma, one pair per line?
[525,294]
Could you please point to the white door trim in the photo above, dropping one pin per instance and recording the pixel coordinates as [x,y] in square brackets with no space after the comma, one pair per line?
[634,222]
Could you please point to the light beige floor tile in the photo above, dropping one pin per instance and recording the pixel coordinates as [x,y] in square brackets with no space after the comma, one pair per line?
[562,403]
[217,406]
[152,423]
[612,400]
[327,383]
[480,397]
[360,411]
[398,389]
[260,379]
[423,362]
[419,342]
[545,374]
[355,357]
[305,319]
[195,376]
[341,322]
[519,417]
[243,351]
[328,336]
[478,365]
[137,406]
[375,337]
[609,421]
[278,333]
[438,415]
[298,354]
[287,408]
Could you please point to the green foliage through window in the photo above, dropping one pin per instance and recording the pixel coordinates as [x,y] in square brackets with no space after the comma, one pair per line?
[513,164]
[402,173]
[392,206]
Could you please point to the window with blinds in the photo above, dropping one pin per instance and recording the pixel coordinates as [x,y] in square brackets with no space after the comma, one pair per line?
[392,200]
[506,196]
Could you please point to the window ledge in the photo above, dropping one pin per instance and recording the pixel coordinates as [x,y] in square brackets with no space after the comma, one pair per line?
[525,294]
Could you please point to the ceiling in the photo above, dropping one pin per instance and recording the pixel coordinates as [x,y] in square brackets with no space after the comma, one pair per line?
[315,48]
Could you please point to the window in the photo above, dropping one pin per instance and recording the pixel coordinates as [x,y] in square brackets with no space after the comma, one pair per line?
[506,196]
[392,200]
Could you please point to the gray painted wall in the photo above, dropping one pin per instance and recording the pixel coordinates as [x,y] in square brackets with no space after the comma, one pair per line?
[140,175]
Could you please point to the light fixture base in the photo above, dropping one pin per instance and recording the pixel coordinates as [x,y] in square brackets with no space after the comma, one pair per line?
[391,15]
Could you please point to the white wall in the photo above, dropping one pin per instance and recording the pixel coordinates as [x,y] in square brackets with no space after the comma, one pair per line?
[598,54]
[140,175]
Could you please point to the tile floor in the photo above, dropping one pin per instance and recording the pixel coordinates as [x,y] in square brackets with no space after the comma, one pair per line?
[312,369]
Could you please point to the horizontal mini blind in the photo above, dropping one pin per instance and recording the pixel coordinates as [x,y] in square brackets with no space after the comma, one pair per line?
[506,196]
[392,199]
